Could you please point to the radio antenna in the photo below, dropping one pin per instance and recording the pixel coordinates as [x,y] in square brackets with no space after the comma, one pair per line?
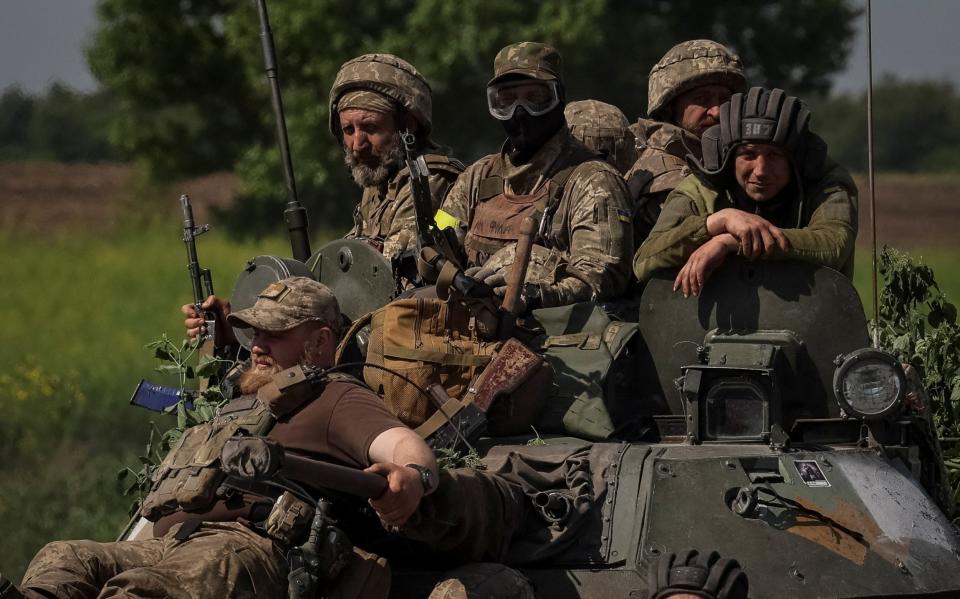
[295,215]
[873,196]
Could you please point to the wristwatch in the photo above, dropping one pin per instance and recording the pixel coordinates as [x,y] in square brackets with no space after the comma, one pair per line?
[426,477]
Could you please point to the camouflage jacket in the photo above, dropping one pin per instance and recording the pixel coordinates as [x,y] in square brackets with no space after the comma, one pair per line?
[825,206]
[590,226]
[385,214]
[661,165]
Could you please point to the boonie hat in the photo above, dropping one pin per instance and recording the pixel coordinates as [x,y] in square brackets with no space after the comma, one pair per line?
[288,303]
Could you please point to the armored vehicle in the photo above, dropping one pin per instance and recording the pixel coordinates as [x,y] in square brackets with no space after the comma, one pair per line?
[754,420]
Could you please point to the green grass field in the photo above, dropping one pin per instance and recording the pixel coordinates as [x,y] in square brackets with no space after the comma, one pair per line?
[76,314]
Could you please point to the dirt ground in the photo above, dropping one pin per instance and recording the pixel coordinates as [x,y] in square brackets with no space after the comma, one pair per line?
[45,198]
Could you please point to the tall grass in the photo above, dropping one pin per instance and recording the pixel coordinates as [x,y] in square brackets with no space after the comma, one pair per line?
[76,313]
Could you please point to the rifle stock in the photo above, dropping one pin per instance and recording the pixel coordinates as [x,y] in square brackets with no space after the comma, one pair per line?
[518,273]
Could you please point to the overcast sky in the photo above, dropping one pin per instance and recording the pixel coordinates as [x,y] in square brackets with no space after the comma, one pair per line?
[41,41]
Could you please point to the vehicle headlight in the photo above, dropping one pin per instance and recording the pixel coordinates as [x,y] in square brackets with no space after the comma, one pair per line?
[869,384]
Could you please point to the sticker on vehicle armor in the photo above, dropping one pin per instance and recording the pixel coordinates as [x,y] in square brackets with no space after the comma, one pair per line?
[811,474]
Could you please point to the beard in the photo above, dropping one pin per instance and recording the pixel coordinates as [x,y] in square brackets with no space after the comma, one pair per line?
[388,159]
[253,378]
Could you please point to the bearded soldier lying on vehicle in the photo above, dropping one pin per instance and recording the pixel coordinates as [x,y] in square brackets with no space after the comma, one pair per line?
[765,189]
[211,545]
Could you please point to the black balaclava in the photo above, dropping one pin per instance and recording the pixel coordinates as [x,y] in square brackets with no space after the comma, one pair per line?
[526,134]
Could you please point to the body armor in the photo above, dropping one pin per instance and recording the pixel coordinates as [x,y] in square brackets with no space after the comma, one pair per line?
[498,214]
[190,475]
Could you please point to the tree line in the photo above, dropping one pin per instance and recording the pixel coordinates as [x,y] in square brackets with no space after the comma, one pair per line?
[183,91]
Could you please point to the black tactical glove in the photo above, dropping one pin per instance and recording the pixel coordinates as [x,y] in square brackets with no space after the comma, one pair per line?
[702,574]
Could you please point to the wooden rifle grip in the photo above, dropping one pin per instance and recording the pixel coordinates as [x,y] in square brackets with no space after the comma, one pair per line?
[518,272]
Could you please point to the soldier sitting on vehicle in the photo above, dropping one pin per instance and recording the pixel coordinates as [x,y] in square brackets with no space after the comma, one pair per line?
[765,189]
[542,172]
[211,546]
[604,129]
[374,98]
[684,92]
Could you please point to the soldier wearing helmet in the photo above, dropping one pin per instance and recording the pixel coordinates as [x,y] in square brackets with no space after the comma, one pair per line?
[684,93]
[541,171]
[604,129]
[764,188]
[374,98]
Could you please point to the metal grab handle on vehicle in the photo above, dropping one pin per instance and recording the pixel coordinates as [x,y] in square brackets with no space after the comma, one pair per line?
[333,476]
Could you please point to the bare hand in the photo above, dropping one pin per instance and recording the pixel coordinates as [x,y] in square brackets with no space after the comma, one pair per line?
[757,237]
[702,262]
[194,322]
[403,494]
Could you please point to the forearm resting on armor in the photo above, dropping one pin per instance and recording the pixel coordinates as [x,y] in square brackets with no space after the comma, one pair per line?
[829,246]
[670,248]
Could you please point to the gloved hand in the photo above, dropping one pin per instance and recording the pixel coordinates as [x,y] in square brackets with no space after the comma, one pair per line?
[256,458]
[690,572]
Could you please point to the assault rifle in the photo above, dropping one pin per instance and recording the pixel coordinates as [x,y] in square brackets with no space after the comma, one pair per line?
[200,277]
[433,245]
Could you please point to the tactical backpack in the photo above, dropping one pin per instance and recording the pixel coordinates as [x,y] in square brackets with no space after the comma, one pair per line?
[428,341]
[595,383]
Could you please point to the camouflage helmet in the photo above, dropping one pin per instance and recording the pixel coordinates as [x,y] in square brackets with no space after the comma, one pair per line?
[388,75]
[604,129]
[764,116]
[688,65]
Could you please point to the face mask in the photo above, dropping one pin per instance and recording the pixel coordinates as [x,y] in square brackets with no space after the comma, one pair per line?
[526,134]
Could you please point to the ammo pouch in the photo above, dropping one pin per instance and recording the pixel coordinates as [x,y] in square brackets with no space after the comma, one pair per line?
[190,474]
[289,520]
[594,381]
[430,341]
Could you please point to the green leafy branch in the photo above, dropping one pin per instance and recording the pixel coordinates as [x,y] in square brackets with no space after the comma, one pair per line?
[920,326]
[194,407]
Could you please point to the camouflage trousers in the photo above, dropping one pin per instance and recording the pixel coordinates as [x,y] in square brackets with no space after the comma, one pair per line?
[220,559]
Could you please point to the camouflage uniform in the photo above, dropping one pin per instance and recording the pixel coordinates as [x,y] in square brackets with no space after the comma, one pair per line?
[218,552]
[385,215]
[817,211]
[588,221]
[604,129]
[662,145]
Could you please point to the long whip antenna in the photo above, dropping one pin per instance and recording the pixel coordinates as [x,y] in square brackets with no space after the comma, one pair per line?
[873,195]
[295,215]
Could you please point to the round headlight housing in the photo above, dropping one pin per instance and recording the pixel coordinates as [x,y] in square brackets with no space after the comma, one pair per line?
[869,384]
